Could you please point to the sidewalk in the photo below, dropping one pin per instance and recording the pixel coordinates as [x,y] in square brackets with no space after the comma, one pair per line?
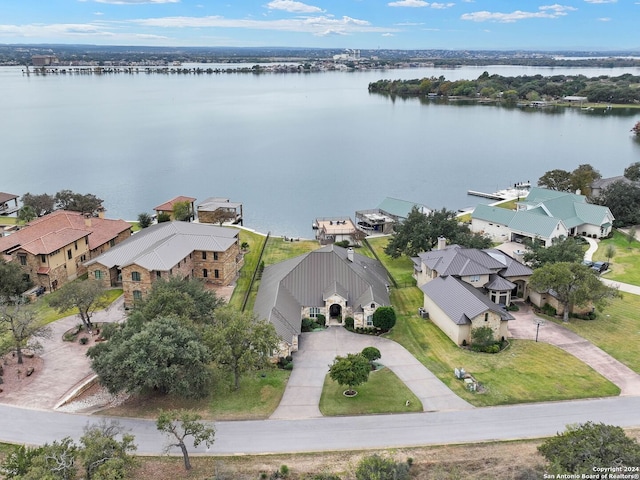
[65,366]
[524,327]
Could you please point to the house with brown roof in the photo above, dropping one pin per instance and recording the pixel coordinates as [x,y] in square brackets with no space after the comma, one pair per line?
[466,288]
[52,249]
[220,210]
[184,249]
[167,207]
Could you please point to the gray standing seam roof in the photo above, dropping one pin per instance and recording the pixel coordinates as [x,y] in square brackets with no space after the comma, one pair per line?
[304,281]
[459,301]
[161,246]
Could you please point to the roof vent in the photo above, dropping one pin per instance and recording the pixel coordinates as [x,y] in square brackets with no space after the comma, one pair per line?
[350,254]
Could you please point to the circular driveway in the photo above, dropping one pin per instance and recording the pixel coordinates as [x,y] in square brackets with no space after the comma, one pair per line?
[317,351]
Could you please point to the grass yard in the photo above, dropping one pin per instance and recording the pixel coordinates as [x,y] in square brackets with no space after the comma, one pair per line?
[255,241]
[383,393]
[616,330]
[625,264]
[258,396]
[524,372]
[49,314]
[8,220]
[401,268]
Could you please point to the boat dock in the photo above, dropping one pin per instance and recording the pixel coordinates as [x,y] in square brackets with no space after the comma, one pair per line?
[517,191]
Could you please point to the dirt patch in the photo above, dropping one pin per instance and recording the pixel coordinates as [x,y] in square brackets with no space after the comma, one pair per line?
[15,375]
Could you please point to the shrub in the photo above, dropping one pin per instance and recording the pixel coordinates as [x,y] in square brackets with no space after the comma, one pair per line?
[342,243]
[321,320]
[83,341]
[513,307]
[349,322]
[325,476]
[307,325]
[549,310]
[384,318]
[379,468]
[288,366]
[371,353]
[284,471]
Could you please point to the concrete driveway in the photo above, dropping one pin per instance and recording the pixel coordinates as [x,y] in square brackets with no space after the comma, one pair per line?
[317,351]
[524,327]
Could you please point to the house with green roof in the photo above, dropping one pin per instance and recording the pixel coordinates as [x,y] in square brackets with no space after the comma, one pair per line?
[388,213]
[542,216]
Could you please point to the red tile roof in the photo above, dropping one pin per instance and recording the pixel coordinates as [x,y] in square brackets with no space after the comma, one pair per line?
[60,228]
[168,206]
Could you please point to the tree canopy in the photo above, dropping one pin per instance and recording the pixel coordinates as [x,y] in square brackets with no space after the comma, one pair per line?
[41,204]
[87,296]
[44,203]
[574,284]
[419,233]
[162,356]
[12,280]
[384,318]
[623,199]
[562,249]
[188,300]
[579,179]
[179,424]
[239,342]
[350,371]
[580,448]
[182,211]
[22,325]
[632,172]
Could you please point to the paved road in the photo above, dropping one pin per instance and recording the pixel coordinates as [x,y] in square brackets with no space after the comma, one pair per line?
[345,433]
[317,351]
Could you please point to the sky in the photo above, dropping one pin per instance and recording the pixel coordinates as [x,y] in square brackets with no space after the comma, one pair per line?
[356,24]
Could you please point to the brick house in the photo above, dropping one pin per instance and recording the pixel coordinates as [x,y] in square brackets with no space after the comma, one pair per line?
[52,249]
[188,250]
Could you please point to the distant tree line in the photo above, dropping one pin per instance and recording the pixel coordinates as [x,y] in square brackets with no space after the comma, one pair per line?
[622,89]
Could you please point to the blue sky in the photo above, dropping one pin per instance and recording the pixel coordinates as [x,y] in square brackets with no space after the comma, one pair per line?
[390,24]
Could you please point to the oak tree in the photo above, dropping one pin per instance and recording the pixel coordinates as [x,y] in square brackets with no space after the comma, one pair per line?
[179,424]
[351,370]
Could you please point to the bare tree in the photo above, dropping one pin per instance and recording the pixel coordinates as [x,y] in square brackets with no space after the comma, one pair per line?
[22,324]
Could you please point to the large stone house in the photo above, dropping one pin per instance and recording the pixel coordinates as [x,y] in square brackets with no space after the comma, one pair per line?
[53,249]
[542,216]
[465,288]
[332,281]
[188,250]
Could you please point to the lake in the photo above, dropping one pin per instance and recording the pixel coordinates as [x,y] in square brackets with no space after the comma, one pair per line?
[290,147]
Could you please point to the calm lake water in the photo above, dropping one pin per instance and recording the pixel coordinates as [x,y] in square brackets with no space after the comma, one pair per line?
[291,147]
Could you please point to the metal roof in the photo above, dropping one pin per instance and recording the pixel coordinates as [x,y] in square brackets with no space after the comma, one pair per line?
[401,208]
[305,281]
[460,301]
[161,246]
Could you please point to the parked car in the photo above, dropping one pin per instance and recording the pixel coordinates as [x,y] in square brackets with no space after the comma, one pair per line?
[600,266]
[588,263]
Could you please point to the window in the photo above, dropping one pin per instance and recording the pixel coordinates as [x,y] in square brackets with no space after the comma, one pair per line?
[205,273]
[137,295]
[216,273]
[474,278]
[215,255]
[158,274]
[98,274]
[204,255]
[314,312]
[43,258]
[112,242]
[369,320]
[23,259]
[373,305]
[69,254]
[75,244]
[83,258]
[135,276]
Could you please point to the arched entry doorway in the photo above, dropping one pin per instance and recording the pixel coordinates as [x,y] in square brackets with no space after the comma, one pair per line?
[335,312]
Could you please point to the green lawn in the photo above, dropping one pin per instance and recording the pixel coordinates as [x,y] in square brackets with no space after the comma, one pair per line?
[625,265]
[49,314]
[616,330]
[255,241]
[401,268]
[258,396]
[383,393]
[8,220]
[525,372]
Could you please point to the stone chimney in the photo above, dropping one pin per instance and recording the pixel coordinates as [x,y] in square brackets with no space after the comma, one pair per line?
[87,221]
[350,254]
[442,243]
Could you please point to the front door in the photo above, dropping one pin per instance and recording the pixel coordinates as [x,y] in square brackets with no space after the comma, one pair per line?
[335,312]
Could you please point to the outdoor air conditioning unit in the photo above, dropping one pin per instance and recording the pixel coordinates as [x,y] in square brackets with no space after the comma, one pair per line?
[423,313]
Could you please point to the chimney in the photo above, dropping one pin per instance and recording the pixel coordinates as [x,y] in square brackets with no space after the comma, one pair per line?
[442,243]
[87,221]
[350,254]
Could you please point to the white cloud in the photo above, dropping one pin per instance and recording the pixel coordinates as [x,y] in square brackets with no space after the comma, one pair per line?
[441,6]
[601,1]
[545,11]
[292,6]
[409,24]
[55,30]
[604,19]
[148,36]
[317,25]
[98,14]
[409,3]
[135,2]
[388,35]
